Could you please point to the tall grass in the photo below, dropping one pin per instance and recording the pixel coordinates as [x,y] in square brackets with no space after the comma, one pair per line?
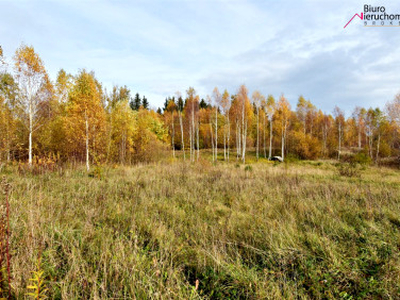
[207,231]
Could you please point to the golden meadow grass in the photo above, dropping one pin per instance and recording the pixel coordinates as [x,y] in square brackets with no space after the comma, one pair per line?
[190,231]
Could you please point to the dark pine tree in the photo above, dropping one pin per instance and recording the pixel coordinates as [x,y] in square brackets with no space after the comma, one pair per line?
[180,104]
[136,102]
[167,100]
[166,104]
[159,111]
[145,103]
[203,104]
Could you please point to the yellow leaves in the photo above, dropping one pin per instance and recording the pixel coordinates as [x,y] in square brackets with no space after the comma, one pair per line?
[284,106]
[171,107]
[305,146]
[28,62]
[284,111]
[123,129]
[85,105]
[150,122]
[225,101]
[38,289]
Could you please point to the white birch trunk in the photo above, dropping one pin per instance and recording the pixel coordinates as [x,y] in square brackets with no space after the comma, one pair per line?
[216,133]
[264,138]
[229,132]
[258,132]
[173,135]
[378,146]
[87,143]
[270,139]
[340,139]
[198,141]
[30,131]
[212,139]
[182,138]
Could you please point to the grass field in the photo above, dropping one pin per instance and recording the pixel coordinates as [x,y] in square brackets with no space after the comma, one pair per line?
[189,231]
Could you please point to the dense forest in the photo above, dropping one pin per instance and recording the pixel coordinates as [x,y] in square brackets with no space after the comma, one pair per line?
[74,118]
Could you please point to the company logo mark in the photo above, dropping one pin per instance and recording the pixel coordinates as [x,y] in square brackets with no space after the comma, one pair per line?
[376,16]
[361,15]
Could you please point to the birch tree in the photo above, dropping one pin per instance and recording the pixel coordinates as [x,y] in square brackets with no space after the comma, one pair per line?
[339,120]
[210,119]
[284,115]
[169,117]
[63,85]
[32,77]
[301,111]
[192,109]
[381,125]
[359,114]
[245,116]
[226,105]
[270,109]
[326,126]
[370,124]
[217,101]
[393,112]
[180,110]
[86,119]
[258,98]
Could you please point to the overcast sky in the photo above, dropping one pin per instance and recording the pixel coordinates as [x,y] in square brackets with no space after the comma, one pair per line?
[160,47]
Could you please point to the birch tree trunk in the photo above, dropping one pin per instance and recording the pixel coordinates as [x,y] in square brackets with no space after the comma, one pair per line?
[340,139]
[216,133]
[258,132]
[264,138]
[244,141]
[243,131]
[325,137]
[173,134]
[8,142]
[193,133]
[198,141]
[30,132]
[212,138]
[190,143]
[238,142]
[378,146]
[283,145]
[270,139]
[229,133]
[225,143]
[87,142]
[182,138]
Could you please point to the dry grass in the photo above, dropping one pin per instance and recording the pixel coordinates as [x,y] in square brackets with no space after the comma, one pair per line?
[151,231]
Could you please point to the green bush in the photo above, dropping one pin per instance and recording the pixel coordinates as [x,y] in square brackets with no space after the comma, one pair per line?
[248,168]
[361,158]
[97,172]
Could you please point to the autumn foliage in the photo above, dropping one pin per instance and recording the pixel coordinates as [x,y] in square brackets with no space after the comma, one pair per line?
[75,119]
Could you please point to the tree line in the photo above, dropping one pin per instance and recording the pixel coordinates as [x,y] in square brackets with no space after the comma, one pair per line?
[74,118]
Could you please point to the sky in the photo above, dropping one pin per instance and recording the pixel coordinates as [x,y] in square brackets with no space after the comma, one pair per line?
[159,47]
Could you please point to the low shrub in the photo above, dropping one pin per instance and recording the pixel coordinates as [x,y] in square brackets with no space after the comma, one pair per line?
[349,169]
